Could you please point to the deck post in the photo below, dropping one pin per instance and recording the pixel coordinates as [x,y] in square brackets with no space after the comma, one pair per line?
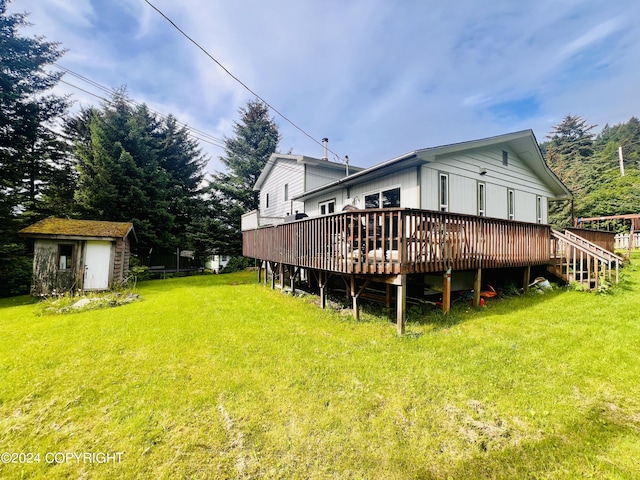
[477,287]
[260,271]
[354,298]
[446,291]
[323,291]
[526,279]
[282,276]
[292,280]
[401,303]
[273,275]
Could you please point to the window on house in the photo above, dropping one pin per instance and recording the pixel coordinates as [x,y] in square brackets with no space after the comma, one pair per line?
[286,192]
[327,207]
[505,158]
[443,192]
[391,198]
[511,205]
[384,199]
[65,257]
[482,201]
[539,209]
[372,200]
[267,201]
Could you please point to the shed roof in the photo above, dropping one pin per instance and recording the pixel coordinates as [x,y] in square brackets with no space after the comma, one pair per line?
[77,228]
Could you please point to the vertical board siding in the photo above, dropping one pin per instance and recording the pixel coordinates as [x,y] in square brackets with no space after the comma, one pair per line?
[394,241]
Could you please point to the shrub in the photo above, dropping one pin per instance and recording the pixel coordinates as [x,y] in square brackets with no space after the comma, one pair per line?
[237,264]
[15,270]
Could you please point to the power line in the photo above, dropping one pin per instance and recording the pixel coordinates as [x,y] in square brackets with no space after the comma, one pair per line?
[193,132]
[237,79]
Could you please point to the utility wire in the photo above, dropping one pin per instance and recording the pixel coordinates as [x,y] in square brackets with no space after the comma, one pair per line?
[237,79]
[193,132]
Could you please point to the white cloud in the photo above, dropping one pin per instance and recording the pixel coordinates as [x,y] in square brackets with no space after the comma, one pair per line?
[595,34]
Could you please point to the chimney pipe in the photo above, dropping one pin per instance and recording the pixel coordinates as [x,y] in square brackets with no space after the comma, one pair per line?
[325,141]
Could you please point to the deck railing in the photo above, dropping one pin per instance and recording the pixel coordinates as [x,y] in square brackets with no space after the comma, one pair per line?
[394,241]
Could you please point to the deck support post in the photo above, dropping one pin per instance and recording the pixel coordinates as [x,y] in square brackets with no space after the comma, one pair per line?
[477,287]
[322,282]
[273,275]
[282,276]
[526,279]
[260,271]
[446,291]
[401,303]
[354,298]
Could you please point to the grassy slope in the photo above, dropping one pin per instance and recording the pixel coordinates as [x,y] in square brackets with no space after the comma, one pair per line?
[216,377]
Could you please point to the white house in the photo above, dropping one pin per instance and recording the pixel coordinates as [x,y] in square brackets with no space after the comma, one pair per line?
[286,177]
[502,177]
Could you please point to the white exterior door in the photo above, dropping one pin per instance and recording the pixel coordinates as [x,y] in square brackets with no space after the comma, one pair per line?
[97,265]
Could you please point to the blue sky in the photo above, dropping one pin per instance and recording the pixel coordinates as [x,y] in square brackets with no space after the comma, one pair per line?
[379,78]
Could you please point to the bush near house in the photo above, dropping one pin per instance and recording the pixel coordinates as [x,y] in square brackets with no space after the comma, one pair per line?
[15,270]
[218,377]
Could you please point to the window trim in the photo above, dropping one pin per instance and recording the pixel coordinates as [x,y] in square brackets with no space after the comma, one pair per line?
[539,209]
[266,200]
[379,194]
[511,204]
[443,206]
[286,192]
[326,203]
[481,199]
[69,262]
[505,158]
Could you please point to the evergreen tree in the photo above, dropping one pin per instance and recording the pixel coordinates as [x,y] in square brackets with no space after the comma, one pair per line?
[134,167]
[231,193]
[568,153]
[30,151]
[181,157]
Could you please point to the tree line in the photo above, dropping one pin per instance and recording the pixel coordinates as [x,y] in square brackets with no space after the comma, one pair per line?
[589,165]
[118,161]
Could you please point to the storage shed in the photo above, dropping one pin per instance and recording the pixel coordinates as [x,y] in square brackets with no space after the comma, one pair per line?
[71,255]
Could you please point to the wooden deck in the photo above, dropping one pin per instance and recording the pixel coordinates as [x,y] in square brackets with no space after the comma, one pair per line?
[400,241]
[393,245]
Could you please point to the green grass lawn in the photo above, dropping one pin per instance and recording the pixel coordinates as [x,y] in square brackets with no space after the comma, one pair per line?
[217,377]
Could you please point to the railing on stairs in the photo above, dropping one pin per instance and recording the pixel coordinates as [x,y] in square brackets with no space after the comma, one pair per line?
[578,260]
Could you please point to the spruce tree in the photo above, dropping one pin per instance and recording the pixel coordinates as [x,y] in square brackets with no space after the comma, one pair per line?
[231,192]
[30,150]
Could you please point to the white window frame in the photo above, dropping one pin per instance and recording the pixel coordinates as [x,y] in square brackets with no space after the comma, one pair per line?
[286,192]
[379,194]
[539,216]
[443,206]
[266,200]
[482,199]
[325,204]
[511,204]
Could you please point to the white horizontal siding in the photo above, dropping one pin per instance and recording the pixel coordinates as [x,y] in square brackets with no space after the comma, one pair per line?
[316,176]
[288,172]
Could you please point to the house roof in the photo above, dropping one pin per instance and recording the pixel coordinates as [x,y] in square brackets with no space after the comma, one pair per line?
[62,227]
[274,158]
[522,143]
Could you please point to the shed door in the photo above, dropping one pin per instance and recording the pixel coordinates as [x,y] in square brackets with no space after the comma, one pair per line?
[97,265]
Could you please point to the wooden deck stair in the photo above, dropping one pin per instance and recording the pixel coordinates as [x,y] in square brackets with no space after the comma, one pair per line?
[576,259]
